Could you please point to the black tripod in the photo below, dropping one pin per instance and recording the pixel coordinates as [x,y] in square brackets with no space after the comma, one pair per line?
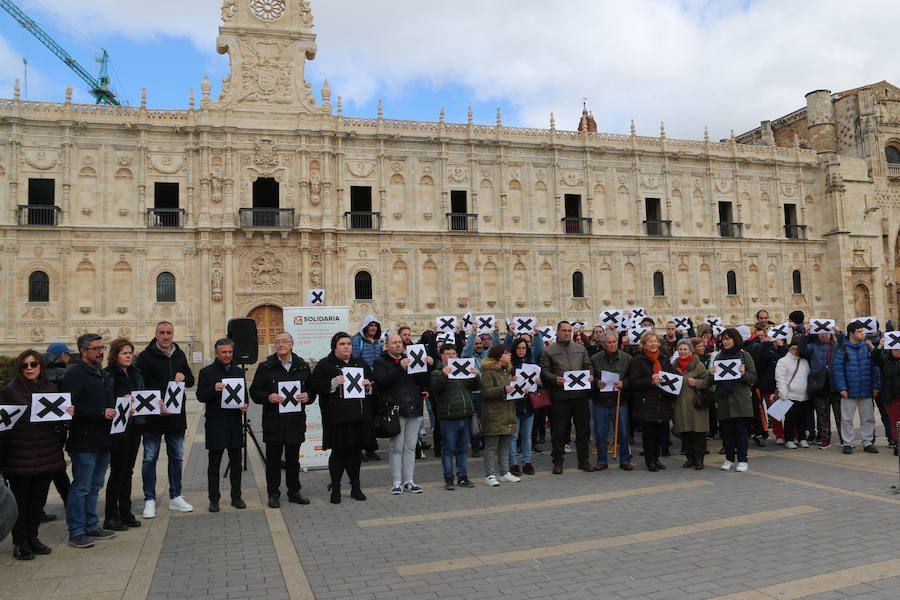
[247,430]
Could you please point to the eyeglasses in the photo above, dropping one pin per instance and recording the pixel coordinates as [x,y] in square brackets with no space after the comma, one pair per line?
[96,348]
[29,365]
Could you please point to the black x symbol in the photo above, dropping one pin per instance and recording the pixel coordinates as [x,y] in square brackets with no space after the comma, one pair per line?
[519,389]
[779,331]
[172,400]
[525,323]
[446,323]
[666,381]
[681,323]
[821,326]
[51,406]
[461,367]
[529,377]
[713,321]
[728,368]
[637,312]
[122,417]
[577,379]
[636,335]
[467,321]
[353,382]
[895,339]
[417,358]
[546,331]
[144,403]
[866,323]
[485,323]
[6,417]
[317,297]
[233,394]
[610,317]
[289,393]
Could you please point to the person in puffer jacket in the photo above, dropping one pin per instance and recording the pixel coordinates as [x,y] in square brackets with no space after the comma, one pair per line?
[857,380]
[367,343]
[819,350]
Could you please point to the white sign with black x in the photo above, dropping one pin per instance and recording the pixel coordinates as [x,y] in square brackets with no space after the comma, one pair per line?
[416,353]
[869,324]
[892,340]
[234,396]
[353,382]
[315,297]
[634,335]
[146,403]
[575,381]
[290,391]
[727,370]
[682,323]
[47,408]
[9,415]
[524,324]
[485,323]
[610,318]
[461,368]
[530,375]
[817,326]
[446,323]
[670,383]
[780,332]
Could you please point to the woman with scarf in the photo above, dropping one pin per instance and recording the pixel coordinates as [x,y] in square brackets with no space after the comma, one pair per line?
[33,453]
[692,405]
[347,423]
[521,354]
[652,407]
[734,402]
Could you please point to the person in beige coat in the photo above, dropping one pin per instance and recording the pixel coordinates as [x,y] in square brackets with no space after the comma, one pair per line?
[498,415]
[692,404]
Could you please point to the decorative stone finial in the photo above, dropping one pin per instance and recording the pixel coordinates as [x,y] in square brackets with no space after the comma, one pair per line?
[470,115]
[633,128]
[191,99]
[552,121]
[340,106]
[143,98]
[205,87]
[326,97]
[662,130]
[17,91]
[443,114]
[732,135]
[68,94]
[706,134]
[380,109]
[499,118]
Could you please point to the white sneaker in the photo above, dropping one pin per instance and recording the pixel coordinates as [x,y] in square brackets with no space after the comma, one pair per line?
[804,444]
[149,509]
[509,477]
[179,504]
[742,467]
[790,445]
[567,449]
[491,481]
[726,466]
[779,442]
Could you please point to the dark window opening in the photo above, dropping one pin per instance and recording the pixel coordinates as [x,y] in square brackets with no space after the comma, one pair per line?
[797,281]
[659,284]
[790,214]
[41,192]
[731,283]
[654,209]
[573,206]
[38,287]
[892,154]
[459,202]
[165,195]
[165,287]
[265,202]
[362,286]
[725,212]
[578,284]
[361,216]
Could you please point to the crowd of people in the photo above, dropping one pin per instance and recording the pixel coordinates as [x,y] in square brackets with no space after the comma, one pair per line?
[627,389]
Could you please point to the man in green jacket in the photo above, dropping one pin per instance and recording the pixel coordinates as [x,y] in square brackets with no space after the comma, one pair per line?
[453,407]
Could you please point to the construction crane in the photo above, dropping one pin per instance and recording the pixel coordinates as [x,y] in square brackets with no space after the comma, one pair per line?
[99,86]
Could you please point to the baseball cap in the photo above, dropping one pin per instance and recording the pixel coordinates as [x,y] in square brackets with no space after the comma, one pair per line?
[59,348]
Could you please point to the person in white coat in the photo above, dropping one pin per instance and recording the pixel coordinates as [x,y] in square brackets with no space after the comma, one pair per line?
[791,376]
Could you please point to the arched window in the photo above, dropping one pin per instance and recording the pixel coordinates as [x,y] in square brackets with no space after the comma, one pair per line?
[731,283]
[659,284]
[38,287]
[362,285]
[165,287]
[798,282]
[578,284]
[892,154]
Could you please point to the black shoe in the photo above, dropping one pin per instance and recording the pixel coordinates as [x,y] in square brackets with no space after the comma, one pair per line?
[114,525]
[448,483]
[22,552]
[38,547]
[476,453]
[848,449]
[651,466]
[659,465]
[335,493]
[297,498]
[238,503]
[871,449]
[557,468]
[586,466]
[372,455]
[130,521]
[100,534]
[81,541]
[464,482]
[356,492]
[274,501]
[214,506]
[45,518]
[536,450]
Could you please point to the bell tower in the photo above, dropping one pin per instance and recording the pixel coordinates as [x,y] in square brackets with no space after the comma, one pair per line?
[269,42]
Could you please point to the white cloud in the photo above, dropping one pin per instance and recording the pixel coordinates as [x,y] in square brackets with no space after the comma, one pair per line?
[689,63]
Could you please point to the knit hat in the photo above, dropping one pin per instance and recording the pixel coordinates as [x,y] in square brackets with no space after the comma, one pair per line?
[796,317]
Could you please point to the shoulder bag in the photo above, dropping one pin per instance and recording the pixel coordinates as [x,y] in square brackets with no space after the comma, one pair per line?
[539,399]
[387,425]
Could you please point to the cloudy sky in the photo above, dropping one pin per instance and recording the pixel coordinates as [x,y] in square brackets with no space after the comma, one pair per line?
[722,63]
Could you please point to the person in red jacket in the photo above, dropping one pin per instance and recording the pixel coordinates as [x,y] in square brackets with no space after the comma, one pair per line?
[33,454]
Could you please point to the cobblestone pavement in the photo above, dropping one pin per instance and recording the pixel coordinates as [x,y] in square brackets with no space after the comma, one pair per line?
[804,523]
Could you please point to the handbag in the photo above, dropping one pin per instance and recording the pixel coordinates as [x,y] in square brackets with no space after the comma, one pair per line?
[702,399]
[388,424]
[539,399]
[474,426]
[818,380]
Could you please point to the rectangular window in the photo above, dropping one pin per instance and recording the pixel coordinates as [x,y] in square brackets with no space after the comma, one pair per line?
[725,212]
[265,193]
[360,198]
[41,192]
[573,206]
[654,209]
[459,202]
[790,214]
[165,195]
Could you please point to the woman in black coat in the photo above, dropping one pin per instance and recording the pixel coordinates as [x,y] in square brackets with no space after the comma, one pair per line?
[33,453]
[652,407]
[126,379]
[283,433]
[348,425]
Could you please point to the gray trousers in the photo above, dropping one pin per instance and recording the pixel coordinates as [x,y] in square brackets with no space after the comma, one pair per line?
[496,449]
[402,451]
[866,408]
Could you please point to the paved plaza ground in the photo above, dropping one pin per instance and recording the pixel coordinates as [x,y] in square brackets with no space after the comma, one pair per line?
[810,523]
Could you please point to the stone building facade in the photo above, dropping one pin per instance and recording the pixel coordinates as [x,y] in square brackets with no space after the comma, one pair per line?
[113,218]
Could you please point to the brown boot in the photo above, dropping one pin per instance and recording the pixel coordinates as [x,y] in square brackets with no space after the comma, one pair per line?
[699,464]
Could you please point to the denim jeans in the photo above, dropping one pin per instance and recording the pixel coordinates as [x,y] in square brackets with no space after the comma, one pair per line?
[525,425]
[735,438]
[604,420]
[88,473]
[455,442]
[402,452]
[174,453]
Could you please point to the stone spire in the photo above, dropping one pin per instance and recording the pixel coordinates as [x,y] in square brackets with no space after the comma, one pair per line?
[587,123]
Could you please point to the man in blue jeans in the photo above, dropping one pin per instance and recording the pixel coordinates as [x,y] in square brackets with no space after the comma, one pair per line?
[454,408]
[611,360]
[163,361]
[90,441]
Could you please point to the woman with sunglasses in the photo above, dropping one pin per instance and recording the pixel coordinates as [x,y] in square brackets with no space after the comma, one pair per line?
[126,379]
[33,453]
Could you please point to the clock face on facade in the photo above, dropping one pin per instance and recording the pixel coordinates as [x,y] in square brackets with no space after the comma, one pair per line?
[268,10]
